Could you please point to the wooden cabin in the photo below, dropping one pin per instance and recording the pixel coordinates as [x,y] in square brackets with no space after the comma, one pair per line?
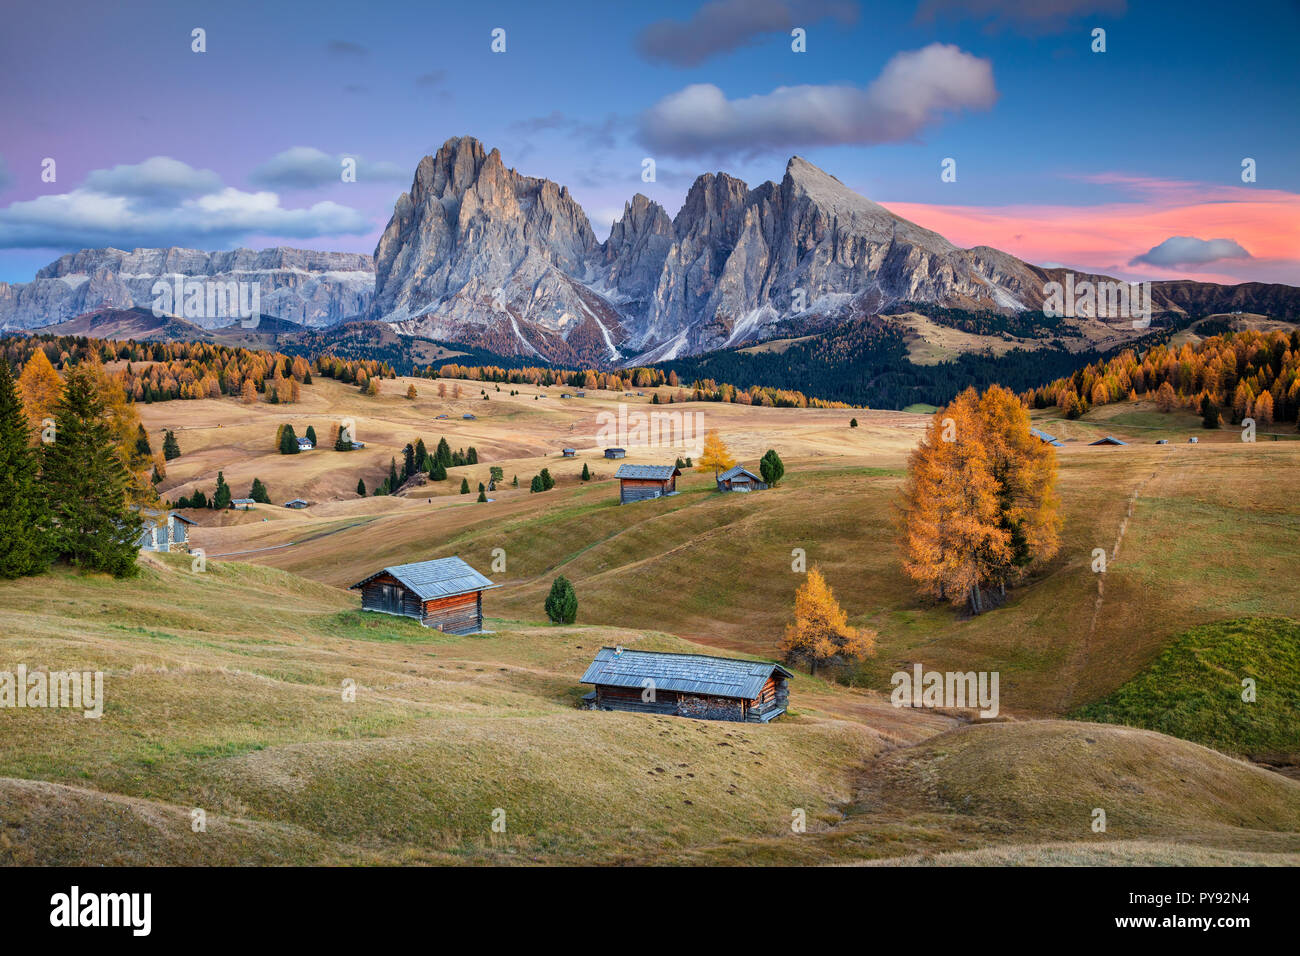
[570,453]
[643,482]
[160,532]
[687,685]
[296,504]
[446,594]
[740,478]
[241,504]
[615,453]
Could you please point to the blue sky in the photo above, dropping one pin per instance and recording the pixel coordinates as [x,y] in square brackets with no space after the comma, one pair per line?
[1063,154]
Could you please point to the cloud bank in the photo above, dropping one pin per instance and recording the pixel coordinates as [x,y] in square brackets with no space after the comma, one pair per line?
[912,92]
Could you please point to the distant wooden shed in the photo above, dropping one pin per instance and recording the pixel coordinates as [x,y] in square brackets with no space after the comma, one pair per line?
[615,453]
[1108,440]
[643,482]
[687,685]
[445,593]
[570,453]
[159,532]
[740,478]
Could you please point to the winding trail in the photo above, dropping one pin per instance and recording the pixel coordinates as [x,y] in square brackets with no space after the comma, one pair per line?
[1079,660]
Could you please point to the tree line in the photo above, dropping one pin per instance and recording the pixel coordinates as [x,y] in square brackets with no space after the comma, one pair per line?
[1239,375]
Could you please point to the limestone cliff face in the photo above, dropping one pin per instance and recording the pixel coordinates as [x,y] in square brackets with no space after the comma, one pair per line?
[480,254]
[301,285]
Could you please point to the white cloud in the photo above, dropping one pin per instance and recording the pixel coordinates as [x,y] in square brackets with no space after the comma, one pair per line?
[164,202]
[912,92]
[158,179]
[1190,251]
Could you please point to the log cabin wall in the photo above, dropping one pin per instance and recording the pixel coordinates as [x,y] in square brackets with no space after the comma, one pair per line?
[461,614]
[385,593]
[642,489]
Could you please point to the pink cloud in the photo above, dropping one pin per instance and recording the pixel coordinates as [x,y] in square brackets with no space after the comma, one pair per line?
[1106,237]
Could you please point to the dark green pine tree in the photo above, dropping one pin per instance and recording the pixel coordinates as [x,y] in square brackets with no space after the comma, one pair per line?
[259,493]
[547,481]
[288,441]
[535,485]
[771,467]
[171,448]
[408,461]
[393,483]
[438,471]
[586,474]
[361,487]
[143,451]
[311,435]
[221,497]
[1209,413]
[86,483]
[464,486]
[482,495]
[24,522]
[421,456]
[515,481]
[443,454]
[562,602]
[471,456]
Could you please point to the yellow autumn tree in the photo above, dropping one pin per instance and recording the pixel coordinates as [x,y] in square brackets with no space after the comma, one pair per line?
[1165,397]
[39,386]
[714,457]
[979,501]
[820,634]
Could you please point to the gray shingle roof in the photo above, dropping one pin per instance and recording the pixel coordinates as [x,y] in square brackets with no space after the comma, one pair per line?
[687,673]
[737,470]
[656,472]
[442,577]
[1108,440]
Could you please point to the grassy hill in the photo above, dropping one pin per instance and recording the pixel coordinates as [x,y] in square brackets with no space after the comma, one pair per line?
[225,687]
[1063,639]
[224,693]
[1194,690]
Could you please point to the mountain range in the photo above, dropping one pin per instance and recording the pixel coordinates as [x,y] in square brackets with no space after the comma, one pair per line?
[300,285]
[479,254]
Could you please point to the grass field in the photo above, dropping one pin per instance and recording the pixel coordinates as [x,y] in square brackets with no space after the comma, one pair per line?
[1194,689]
[225,687]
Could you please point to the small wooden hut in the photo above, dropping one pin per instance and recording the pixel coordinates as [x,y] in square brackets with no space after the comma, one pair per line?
[643,482]
[687,685]
[445,593]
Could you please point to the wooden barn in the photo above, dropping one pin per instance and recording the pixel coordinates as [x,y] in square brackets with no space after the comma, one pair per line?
[159,532]
[740,478]
[687,685]
[446,594]
[643,482]
[615,453]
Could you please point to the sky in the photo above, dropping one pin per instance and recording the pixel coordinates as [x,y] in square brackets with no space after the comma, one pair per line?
[115,130]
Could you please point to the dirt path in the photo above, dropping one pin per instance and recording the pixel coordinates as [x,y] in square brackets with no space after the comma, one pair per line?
[1079,659]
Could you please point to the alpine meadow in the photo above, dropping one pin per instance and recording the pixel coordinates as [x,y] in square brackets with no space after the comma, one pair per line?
[513,438]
